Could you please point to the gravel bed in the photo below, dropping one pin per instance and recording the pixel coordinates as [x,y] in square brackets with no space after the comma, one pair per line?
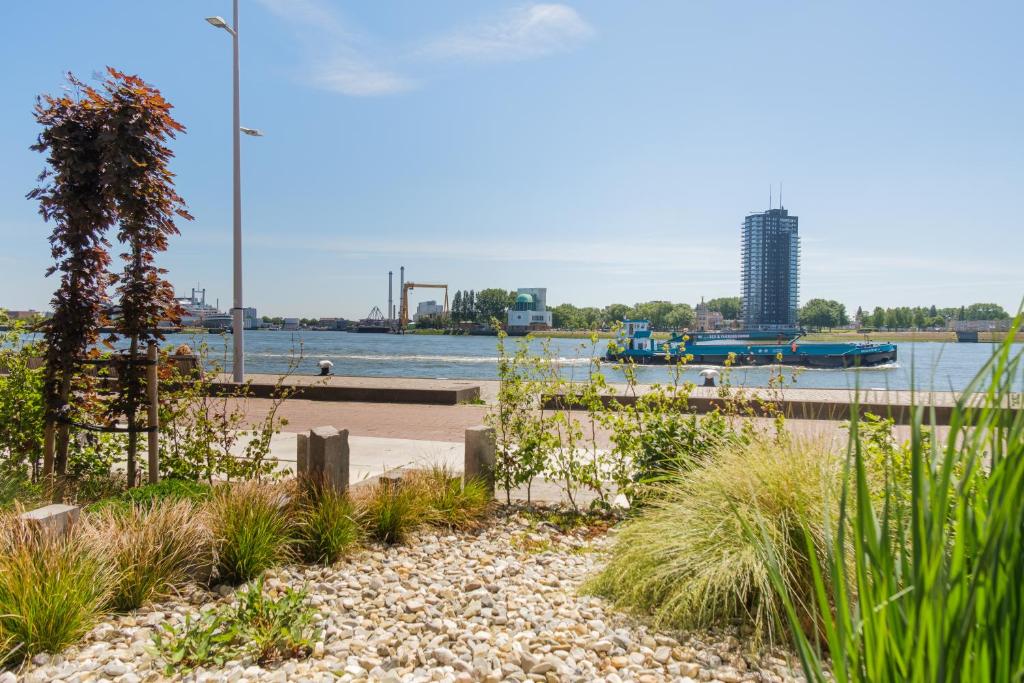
[498,604]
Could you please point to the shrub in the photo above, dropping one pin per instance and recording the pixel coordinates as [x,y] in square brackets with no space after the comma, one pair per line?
[16,488]
[252,530]
[926,585]
[153,549]
[53,589]
[147,496]
[259,627]
[685,558]
[391,510]
[449,502]
[327,524]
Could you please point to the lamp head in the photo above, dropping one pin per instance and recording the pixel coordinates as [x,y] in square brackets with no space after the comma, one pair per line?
[217,21]
[254,132]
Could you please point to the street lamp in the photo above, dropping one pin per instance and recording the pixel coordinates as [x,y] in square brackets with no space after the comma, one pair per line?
[237,318]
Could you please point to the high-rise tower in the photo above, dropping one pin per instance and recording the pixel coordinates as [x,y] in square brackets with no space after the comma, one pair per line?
[771,269]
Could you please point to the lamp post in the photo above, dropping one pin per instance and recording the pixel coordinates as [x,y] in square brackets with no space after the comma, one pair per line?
[237,318]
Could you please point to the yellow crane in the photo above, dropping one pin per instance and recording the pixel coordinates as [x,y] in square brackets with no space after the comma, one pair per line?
[403,316]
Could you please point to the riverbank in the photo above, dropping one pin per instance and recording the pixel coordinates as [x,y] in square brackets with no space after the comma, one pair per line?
[829,336]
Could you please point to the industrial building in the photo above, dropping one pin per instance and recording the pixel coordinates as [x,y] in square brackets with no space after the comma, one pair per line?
[530,311]
[770,269]
[427,309]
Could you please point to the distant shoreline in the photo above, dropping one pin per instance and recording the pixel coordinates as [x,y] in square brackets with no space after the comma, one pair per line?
[834,336]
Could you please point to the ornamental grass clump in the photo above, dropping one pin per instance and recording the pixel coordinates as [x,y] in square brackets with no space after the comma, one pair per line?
[53,589]
[327,523]
[153,549]
[392,509]
[685,559]
[925,585]
[450,502]
[252,529]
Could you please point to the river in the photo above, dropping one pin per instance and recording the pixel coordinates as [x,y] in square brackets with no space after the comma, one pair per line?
[925,365]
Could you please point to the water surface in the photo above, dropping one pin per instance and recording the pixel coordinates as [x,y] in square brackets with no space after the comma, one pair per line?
[925,365]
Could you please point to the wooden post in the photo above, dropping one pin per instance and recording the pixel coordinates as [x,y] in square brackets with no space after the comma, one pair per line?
[153,392]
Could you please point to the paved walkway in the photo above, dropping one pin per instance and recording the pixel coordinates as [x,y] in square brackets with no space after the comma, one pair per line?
[373,456]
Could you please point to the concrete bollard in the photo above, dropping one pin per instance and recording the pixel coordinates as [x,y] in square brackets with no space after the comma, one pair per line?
[479,456]
[302,454]
[53,519]
[324,454]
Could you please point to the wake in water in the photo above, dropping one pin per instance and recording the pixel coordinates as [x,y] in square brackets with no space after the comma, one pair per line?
[377,358]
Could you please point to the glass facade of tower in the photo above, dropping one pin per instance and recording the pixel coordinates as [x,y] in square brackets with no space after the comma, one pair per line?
[770,269]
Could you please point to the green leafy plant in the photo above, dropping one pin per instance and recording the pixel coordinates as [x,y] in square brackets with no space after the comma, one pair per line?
[328,524]
[53,589]
[203,426]
[266,629]
[252,529]
[685,559]
[924,585]
[153,549]
[21,404]
[521,438]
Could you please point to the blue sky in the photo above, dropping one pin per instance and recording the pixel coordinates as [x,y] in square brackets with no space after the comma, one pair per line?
[605,150]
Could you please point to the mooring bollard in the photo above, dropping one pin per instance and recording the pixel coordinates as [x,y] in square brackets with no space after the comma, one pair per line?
[323,454]
[53,519]
[479,456]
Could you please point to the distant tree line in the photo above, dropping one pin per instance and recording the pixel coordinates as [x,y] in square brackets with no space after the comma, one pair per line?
[923,317]
[471,306]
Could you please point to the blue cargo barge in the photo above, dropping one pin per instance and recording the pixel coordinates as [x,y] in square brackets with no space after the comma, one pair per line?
[636,344]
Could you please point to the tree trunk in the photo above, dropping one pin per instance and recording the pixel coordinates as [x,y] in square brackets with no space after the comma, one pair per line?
[131,409]
[60,456]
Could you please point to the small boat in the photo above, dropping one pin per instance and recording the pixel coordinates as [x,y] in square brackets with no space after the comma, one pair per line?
[635,344]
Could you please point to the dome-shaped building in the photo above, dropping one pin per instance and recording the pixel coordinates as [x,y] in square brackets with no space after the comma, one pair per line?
[530,311]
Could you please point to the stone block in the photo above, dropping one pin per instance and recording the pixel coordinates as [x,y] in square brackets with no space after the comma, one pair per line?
[53,519]
[479,455]
[302,454]
[327,456]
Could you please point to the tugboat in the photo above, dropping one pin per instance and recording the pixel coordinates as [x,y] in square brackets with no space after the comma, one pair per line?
[636,344]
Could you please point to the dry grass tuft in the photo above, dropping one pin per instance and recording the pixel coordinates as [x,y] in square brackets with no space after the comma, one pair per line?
[53,589]
[154,549]
[688,560]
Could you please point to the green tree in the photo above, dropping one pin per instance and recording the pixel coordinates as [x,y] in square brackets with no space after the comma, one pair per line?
[821,313]
[878,317]
[680,317]
[985,312]
[655,311]
[614,313]
[457,312]
[567,317]
[493,303]
[728,306]
[920,318]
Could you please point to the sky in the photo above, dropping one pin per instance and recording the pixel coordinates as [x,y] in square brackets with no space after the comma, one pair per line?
[605,150]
